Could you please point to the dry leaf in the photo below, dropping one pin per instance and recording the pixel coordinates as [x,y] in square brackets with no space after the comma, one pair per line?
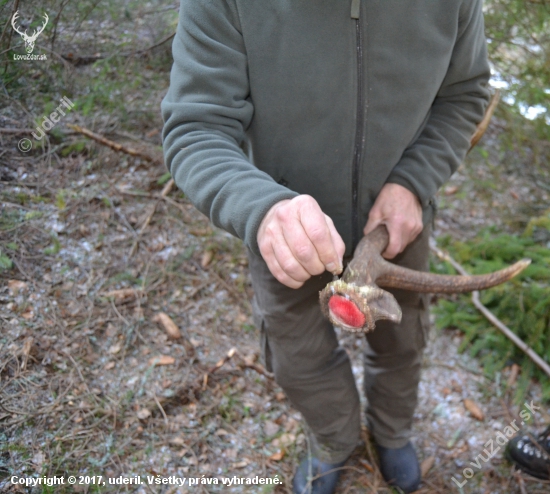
[123,295]
[426,465]
[292,425]
[162,360]
[143,414]
[152,133]
[177,441]
[280,396]
[109,365]
[114,349]
[270,428]
[230,453]
[200,232]
[207,258]
[38,460]
[196,342]
[241,464]
[450,190]
[16,286]
[514,371]
[366,464]
[28,314]
[284,440]
[169,326]
[474,409]
[278,456]
[27,345]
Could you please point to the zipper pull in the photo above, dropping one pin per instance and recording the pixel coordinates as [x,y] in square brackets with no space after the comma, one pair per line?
[355,8]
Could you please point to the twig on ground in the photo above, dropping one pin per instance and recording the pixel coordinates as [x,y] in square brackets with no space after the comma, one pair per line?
[520,482]
[167,199]
[165,191]
[88,59]
[492,318]
[238,297]
[228,356]
[161,409]
[482,126]
[115,146]
[16,131]
[132,152]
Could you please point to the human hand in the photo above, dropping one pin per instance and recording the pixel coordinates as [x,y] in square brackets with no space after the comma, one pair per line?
[400,210]
[297,241]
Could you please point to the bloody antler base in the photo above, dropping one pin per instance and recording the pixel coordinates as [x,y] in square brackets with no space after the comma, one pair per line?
[357,301]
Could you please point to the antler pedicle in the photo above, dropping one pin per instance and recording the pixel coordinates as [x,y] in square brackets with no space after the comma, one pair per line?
[356,301]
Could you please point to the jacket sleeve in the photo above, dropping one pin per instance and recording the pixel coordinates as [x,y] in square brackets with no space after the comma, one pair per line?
[206,112]
[458,108]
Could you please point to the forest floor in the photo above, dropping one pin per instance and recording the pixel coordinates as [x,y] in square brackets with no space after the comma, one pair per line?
[96,255]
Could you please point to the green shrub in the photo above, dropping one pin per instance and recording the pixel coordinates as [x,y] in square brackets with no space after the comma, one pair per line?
[522,304]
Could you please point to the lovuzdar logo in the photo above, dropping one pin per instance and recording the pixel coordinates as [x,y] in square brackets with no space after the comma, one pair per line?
[28,39]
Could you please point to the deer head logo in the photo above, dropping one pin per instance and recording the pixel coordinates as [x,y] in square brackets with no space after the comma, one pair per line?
[29,40]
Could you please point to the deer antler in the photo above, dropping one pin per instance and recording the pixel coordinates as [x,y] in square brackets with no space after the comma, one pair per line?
[38,31]
[15,16]
[356,301]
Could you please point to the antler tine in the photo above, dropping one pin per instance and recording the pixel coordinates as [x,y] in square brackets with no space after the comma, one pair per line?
[39,30]
[385,274]
[15,16]
[418,281]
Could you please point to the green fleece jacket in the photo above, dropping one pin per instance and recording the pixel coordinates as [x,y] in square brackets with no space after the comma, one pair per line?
[269,99]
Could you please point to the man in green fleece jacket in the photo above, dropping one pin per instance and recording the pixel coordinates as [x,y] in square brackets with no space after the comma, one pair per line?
[299,125]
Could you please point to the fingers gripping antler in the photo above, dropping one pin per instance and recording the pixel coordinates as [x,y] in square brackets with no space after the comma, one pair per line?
[356,301]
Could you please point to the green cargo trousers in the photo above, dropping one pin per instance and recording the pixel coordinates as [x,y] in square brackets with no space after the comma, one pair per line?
[300,347]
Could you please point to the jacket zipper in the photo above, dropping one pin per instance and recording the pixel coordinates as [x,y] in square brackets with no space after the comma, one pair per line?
[359,126]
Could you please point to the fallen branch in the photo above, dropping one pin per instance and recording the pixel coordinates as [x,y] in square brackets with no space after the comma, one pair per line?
[115,146]
[492,318]
[165,191]
[482,126]
[138,154]
[201,382]
[16,131]
[77,60]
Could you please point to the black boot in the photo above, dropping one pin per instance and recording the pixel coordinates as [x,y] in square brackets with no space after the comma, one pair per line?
[531,454]
[310,468]
[399,467]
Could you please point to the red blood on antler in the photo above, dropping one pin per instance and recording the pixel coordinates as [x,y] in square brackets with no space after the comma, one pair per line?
[356,301]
